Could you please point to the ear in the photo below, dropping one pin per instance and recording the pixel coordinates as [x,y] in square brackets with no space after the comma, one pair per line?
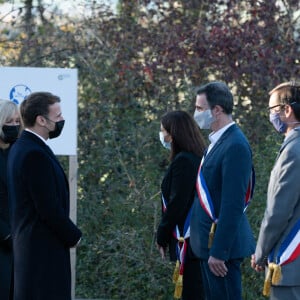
[218,109]
[288,111]
[170,139]
[40,120]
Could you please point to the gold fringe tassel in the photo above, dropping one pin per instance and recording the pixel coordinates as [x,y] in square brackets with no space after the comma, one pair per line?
[276,274]
[211,234]
[273,277]
[176,272]
[178,287]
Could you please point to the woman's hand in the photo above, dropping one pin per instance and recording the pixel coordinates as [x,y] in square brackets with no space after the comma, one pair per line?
[162,251]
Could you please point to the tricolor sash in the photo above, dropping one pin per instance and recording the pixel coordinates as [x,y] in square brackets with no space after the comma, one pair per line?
[181,249]
[288,251]
[206,201]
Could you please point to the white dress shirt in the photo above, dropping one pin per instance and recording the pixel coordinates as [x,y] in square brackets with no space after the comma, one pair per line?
[215,136]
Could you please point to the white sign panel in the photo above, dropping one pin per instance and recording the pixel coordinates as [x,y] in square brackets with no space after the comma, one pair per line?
[16,83]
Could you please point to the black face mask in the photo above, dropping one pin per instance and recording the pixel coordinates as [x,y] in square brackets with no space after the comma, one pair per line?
[10,133]
[57,130]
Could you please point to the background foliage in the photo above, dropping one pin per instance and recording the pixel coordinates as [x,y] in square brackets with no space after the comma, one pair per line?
[135,64]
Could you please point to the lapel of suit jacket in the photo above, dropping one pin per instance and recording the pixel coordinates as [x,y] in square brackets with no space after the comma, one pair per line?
[220,140]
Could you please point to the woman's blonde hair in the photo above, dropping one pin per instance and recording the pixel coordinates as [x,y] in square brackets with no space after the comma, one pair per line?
[7,110]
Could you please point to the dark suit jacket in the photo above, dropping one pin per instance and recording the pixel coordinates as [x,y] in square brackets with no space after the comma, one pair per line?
[41,227]
[178,188]
[226,169]
[5,245]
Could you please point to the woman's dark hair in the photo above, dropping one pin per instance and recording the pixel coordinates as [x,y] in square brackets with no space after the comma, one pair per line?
[36,104]
[185,133]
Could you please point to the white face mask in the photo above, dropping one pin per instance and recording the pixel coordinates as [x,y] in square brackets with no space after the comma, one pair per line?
[162,140]
[204,119]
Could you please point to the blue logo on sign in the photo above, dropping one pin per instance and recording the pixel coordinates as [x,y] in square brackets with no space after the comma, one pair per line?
[18,93]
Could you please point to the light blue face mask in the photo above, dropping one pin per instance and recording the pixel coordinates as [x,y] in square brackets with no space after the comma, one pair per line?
[167,145]
[204,119]
[279,125]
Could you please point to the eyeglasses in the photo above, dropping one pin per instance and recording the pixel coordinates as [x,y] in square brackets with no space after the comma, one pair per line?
[273,109]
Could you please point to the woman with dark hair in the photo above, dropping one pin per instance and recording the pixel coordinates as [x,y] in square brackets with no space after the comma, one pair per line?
[180,133]
[9,131]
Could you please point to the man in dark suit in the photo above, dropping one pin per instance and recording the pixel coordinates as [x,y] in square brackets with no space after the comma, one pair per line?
[39,195]
[220,233]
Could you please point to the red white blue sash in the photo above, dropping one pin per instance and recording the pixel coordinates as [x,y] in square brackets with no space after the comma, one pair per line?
[204,196]
[289,249]
[206,201]
[176,232]
[250,189]
[181,250]
[182,245]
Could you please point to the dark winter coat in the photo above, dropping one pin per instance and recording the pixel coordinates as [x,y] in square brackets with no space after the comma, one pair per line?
[6,255]
[42,230]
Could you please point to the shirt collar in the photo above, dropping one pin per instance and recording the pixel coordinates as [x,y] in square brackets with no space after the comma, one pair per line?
[215,135]
[40,137]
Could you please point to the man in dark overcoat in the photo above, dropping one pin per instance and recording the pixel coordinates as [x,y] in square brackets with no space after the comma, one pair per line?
[42,231]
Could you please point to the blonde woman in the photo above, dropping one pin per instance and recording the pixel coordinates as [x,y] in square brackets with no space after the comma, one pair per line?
[9,131]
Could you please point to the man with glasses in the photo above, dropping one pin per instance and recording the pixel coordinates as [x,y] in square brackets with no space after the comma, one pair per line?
[278,247]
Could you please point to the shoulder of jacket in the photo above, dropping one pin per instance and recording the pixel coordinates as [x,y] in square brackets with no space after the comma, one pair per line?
[187,157]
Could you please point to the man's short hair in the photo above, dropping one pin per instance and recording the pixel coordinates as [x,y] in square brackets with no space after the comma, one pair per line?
[217,93]
[289,93]
[36,104]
